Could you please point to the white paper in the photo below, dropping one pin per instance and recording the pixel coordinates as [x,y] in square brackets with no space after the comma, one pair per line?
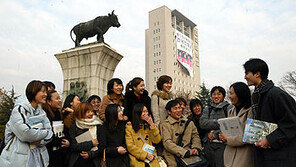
[86,136]
[231,126]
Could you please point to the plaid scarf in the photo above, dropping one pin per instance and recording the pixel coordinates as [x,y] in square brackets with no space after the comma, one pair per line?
[257,95]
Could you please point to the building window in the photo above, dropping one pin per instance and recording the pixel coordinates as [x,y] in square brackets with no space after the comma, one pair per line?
[154,54]
[159,69]
[153,31]
[159,30]
[158,45]
[158,23]
[159,53]
[159,61]
[154,87]
[154,39]
[154,70]
[158,37]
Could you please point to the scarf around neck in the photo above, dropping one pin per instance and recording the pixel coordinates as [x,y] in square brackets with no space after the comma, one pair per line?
[90,124]
[257,95]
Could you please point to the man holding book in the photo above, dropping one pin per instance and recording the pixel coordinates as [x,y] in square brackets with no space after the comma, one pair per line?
[271,104]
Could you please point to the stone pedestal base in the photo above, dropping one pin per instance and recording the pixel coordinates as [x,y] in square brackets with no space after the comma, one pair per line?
[92,63]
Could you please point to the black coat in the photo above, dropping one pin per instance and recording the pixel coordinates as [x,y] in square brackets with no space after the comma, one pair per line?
[278,107]
[110,140]
[131,99]
[77,148]
[195,119]
[55,156]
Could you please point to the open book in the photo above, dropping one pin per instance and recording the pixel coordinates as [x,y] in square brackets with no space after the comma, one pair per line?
[256,130]
[231,126]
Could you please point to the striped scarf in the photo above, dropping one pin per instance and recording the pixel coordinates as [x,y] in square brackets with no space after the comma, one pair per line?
[257,95]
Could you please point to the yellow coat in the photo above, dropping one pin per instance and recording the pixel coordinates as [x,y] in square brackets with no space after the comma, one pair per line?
[134,145]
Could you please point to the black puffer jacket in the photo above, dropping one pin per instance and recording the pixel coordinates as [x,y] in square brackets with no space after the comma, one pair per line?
[131,99]
[278,107]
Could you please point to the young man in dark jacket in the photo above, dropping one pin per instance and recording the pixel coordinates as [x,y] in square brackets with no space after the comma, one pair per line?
[271,104]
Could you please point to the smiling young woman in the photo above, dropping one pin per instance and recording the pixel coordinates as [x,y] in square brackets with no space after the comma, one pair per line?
[135,93]
[114,95]
[28,130]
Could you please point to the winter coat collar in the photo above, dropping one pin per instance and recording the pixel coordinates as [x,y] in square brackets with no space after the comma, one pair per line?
[220,105]
[114,96]
[241,112]
[131,94]
[268,85]
[172,121]
[163,95]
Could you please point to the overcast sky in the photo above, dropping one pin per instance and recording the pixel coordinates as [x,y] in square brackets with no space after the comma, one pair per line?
[230,32]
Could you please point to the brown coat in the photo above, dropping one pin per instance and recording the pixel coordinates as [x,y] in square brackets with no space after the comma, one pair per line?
[236,152]
[134,145]
[159,100]
[112,98]
[171,129]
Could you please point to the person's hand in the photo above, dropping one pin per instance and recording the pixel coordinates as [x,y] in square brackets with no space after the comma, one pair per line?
[125,118]
[128,123]
[150,157]
[35,142]
[84,155]
[223,137]
[149,120]
[263,143]
[194,152]
[68,109]
[121,150]
[211,136]
[65,143]
[95,142]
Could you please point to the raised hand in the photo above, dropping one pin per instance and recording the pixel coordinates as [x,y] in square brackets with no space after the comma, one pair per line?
[121,150]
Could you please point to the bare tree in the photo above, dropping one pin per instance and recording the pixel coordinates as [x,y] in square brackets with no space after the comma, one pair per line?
[288,83]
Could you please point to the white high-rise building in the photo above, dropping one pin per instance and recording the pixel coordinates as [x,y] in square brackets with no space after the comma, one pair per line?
[171,43]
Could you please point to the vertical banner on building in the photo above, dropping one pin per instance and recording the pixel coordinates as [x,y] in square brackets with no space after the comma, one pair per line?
[184,51]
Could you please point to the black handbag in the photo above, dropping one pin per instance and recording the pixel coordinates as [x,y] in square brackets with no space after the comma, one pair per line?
[180,162]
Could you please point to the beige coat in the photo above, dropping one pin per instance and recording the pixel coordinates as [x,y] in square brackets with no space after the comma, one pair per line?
[236,152]
[134,145]
[112,98]
[159,100]
[171,129]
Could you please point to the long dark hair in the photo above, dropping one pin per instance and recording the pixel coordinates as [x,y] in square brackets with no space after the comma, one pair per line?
[133,83]
[243,93]
[137,122]
[111,115]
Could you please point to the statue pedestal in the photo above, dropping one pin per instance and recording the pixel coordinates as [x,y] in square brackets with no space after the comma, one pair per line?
[93,63]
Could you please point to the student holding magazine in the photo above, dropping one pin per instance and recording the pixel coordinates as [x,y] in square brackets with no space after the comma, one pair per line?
[84,152]
[236,152]
[28,130]
[142,132]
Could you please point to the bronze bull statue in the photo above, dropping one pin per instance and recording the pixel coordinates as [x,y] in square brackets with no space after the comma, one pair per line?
[98,26]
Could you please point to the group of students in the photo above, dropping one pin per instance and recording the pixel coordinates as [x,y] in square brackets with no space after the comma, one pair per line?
[122,126]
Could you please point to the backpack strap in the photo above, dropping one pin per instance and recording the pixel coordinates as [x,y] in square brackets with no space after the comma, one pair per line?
[180,138]
[225,110]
